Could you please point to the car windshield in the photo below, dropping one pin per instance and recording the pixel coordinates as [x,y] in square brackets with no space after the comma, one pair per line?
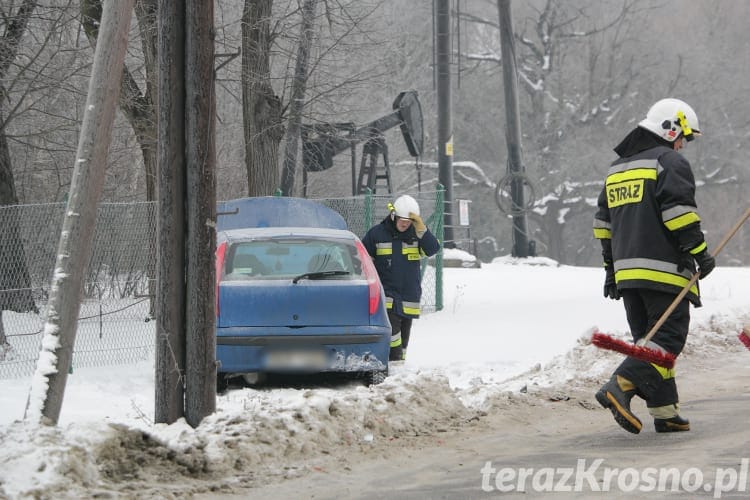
[279,259]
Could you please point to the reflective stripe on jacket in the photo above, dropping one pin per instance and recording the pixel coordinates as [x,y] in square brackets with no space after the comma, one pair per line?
[647,209]
[397,258]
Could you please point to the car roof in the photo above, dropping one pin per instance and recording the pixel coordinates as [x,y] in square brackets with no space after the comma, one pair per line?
[253,233]
[276,211]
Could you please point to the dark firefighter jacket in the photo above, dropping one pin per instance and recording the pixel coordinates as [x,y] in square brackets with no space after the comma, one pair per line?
[648,222]
[397,259]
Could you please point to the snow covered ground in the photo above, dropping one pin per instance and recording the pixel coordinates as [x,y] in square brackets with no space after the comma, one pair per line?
[505,326]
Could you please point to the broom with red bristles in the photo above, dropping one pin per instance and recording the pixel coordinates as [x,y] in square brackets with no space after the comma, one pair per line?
[744,336]
[655,356]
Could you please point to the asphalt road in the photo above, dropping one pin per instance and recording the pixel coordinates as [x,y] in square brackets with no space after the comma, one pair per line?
[569,448]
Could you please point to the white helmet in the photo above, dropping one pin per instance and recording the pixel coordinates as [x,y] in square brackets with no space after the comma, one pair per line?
[668,118]
[404,205]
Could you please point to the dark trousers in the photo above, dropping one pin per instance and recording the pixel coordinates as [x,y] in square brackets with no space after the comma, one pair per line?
[402,325]
[643,309]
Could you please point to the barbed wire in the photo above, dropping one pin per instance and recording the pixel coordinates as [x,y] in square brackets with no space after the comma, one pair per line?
[81,318]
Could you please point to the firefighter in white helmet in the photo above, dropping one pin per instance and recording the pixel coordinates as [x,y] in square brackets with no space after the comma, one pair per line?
[396,245]
[651,237]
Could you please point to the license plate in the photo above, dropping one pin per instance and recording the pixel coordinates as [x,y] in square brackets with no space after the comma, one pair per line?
[296,360]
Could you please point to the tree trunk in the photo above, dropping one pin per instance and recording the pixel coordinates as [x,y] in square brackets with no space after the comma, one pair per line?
[13,32]
[137,106]
[299,87]
[76,239]
[15,283]
[7,183]
[261,108]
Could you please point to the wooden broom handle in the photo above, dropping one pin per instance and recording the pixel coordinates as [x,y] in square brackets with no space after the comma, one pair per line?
[684,291]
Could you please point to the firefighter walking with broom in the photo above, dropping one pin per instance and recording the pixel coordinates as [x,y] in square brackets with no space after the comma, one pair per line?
[650,232]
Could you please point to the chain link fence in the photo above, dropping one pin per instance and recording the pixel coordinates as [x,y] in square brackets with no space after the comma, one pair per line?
[363,212]
[115,321]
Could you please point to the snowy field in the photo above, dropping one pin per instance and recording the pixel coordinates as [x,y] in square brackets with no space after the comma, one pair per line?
[508,325]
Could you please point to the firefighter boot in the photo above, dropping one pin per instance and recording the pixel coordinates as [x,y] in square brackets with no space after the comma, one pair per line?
[668,419]
[396,354]
[616,395]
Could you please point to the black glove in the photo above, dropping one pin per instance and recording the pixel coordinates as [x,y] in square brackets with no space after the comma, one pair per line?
[610,287]
[706,263]
[686,262]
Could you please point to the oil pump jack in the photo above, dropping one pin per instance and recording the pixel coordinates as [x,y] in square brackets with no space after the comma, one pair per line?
[321,142]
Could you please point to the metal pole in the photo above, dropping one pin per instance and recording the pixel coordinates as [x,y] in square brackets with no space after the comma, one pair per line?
[513,131]
[445,125]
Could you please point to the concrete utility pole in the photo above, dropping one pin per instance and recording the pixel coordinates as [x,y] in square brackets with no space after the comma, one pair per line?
[513,131]
[445,121]
[76,239]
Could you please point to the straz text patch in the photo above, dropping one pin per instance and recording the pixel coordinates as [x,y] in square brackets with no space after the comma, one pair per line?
[622,193]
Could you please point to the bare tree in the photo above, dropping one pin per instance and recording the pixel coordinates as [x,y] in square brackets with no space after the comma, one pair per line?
[14,24]
[299,87]
[574,73]
[288,79]
[261,107]
[136,104]
[15,293]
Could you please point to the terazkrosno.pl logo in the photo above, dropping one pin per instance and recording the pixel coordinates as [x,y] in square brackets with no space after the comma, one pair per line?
[593,476]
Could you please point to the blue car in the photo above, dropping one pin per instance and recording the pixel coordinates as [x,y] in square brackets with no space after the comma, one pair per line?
[296,293]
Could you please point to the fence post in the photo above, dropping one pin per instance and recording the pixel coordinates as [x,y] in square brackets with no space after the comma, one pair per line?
[368,208]
[440,233]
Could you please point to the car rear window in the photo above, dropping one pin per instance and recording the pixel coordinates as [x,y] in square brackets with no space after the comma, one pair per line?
[287,258]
